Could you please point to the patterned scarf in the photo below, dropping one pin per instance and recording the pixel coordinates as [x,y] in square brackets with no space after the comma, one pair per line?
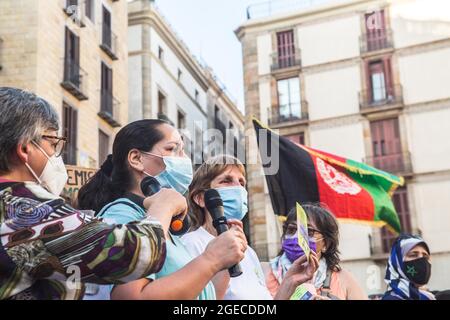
[398,283]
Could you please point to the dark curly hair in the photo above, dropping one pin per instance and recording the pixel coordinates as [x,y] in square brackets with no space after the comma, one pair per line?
[328,226]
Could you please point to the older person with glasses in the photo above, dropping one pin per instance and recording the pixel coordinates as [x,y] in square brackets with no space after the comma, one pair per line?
[48,249]
[330,280]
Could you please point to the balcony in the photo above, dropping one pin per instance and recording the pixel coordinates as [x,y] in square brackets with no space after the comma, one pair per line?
[286,61]
[376,41]
[277,117]
[75,79]
[110,109]
[75,10]
[109,42]
[396,163]
[380,97]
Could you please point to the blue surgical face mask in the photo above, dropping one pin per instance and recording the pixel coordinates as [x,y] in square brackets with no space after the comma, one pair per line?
[234,202]
[177,174]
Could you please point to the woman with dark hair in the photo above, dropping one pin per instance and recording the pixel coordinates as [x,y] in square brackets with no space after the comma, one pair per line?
[330,280]
[155,148]
[408,270]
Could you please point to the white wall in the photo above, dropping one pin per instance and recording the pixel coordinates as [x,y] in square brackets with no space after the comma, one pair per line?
[429,144]
[346,140]
[329,41]
[420,21]
[172,64]
[432,202]
[341,96]
[423,76]
[134,38]
[264,47]
[135,111]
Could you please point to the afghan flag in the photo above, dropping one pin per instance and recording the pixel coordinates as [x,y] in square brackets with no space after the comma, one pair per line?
[353,191]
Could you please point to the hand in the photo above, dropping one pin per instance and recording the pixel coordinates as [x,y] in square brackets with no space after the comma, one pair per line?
[167,199]
[164,205]
[227,249]
[298,273]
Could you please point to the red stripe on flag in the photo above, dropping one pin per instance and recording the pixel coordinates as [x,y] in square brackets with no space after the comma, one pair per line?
[343,196]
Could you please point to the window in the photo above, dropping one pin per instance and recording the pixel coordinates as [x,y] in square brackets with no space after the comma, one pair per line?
[70,127]
[376,33]
[106,90]
[216,113]
[181,120]
[179,75]
[161,54]
[72,58]
[386,145]
[286,49]
[107,28]
[196,95]
[90,9]
[162,104]
[289,105]
[379,80]
[400,199]
[103,146]
[297,138]
[198,146]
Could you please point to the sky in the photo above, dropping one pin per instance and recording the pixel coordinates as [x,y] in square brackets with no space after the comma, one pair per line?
[207,27]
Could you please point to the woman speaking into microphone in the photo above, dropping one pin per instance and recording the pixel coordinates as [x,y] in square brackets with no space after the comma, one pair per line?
[153,148]
[226,175]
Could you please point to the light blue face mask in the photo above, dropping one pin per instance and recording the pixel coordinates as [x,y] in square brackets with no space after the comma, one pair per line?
[234,202]
[177,174]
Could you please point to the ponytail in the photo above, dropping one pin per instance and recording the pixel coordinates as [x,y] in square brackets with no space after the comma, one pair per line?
[114,178]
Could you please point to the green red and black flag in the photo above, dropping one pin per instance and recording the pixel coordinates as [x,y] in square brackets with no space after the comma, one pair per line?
[353,191]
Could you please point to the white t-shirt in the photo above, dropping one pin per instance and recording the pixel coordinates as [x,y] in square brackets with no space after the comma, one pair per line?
[250,285]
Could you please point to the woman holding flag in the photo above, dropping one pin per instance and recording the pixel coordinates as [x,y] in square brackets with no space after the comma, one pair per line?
[330,280]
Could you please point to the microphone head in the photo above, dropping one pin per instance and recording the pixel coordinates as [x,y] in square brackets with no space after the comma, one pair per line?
[212,200]
[148,182]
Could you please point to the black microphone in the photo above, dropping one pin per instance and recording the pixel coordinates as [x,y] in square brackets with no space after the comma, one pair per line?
[178,226]
[214,204]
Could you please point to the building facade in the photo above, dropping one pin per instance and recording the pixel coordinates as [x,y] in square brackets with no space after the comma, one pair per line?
[167,81]
[367,80]
[73,54]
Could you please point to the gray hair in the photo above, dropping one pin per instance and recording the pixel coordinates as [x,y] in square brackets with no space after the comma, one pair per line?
[23,118]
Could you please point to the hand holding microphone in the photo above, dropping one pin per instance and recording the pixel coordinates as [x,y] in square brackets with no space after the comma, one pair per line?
[232,250]
[161,201]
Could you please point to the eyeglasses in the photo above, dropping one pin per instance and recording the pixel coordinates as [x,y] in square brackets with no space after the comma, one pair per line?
[58,145]
[312,232]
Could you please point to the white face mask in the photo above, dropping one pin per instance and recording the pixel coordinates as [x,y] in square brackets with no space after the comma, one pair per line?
[54,176]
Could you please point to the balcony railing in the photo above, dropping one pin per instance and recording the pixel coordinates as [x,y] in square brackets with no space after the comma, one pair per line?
[110,109]
[276,117]
[75,10]
[109,42]
[376,40]
[286,61]
[397,163]
[75,79]
[378,97]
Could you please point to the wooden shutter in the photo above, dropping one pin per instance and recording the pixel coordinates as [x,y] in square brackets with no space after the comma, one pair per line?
[286,49]
[376,30]
[387,149]
[106,27]
[70,130]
